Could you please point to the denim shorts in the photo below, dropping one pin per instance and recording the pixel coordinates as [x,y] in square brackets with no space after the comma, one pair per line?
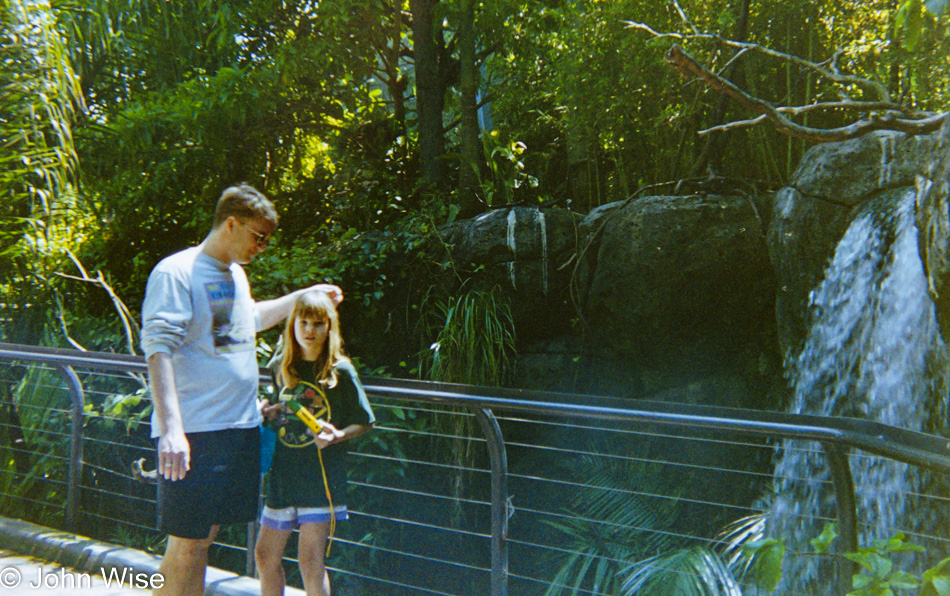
[222,487]
[290,518]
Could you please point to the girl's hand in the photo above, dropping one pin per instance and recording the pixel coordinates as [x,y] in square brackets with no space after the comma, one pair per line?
[329,434]
[269,410]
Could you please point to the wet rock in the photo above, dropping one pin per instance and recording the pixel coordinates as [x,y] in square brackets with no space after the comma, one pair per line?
[679,286]
[526,252]
[801,240]
[848,172]
[811,213]
[933,224]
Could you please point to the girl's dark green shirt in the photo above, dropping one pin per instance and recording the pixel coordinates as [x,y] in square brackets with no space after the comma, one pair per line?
[295,478]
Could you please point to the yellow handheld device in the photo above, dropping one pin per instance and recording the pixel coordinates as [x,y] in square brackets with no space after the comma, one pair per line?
[316,426]
[305,416]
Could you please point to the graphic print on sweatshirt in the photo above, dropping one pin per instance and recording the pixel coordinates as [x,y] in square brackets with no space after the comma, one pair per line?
[290,430]
[233,330]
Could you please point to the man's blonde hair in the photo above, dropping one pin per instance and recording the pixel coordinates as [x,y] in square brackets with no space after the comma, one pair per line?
[244,202]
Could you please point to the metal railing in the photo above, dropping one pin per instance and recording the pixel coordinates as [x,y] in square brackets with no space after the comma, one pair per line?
[523,413]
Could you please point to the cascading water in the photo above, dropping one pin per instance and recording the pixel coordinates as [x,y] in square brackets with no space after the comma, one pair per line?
[874,352]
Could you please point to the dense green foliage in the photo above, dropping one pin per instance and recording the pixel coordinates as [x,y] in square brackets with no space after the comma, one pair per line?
[122,120]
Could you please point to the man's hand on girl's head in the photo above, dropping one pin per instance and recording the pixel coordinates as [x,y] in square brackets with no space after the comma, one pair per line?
[333,291]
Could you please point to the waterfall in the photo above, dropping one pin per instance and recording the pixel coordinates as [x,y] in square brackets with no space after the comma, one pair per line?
[543,235]
[870,353]
[510,237]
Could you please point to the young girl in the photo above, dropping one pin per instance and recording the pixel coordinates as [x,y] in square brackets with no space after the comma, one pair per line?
[306,486]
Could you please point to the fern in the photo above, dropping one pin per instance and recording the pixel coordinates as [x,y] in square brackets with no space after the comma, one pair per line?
[613,521]
[693,571]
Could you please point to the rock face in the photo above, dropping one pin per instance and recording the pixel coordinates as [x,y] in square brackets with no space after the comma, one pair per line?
[523,251]
[848,172]
[933,223]
[638,297]
[813,211]
[690,293]
[804,232]
[677,283]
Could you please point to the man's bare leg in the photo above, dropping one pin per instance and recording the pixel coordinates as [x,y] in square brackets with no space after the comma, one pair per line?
[184,564]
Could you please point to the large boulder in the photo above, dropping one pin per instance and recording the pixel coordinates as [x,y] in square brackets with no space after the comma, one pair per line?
[804,233]
[848,172]
[680,286]
[523,251]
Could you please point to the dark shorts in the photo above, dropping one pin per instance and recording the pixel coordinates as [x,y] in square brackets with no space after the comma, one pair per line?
[222,487]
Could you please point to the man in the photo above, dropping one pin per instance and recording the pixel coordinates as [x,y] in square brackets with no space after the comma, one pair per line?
[198,335]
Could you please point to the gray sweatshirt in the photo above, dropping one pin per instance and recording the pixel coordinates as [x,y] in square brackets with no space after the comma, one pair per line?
[200,311]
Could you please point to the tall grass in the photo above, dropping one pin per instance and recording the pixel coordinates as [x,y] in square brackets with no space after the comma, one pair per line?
[475,344]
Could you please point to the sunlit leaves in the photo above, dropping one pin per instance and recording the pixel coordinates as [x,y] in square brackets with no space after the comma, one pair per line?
[909,22]
[39,98]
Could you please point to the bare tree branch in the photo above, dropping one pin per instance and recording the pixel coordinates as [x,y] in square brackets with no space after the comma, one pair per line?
[683,16]
[689,66]
[832,73]
[128,321]
[859,106]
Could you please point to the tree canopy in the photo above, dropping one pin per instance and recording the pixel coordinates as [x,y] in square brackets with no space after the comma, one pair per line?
[371,122]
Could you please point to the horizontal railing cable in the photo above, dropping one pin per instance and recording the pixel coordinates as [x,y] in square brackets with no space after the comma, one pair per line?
[422,433]
[424,463]
[428,558]
[412,441]
[610,456]
[677,499]
[548,583]
[388,582]
[124,522]
[402,491]
[631,432]
[418,524]
[644,529]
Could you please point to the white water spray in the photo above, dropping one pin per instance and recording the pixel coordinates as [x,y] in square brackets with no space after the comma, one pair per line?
[869,354]
[542,230]
[512,222]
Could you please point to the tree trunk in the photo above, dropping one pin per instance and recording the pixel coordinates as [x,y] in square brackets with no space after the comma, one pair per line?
[712,154]
[430,98]
[397,82]
[470,151]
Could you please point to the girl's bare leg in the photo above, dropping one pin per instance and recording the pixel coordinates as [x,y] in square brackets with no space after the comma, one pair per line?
[269,553]
[310,552]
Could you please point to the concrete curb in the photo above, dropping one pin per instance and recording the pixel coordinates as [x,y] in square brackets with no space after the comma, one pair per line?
[92,556]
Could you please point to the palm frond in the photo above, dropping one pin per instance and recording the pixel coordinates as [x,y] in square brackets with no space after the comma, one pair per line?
[694,571]
[735,536]
[619,515]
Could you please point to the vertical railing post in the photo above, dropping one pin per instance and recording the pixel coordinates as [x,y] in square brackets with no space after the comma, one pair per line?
[250,564]
[78,405]
[499,501]
[847,512]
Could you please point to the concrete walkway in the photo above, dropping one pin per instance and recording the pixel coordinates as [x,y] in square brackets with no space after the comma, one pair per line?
[22,574]
[72,564]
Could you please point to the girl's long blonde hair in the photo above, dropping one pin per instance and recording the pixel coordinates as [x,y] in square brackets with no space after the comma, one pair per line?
[316,305]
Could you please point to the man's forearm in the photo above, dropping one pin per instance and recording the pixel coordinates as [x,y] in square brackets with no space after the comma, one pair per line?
[174,452]
[274,311]
[161,378]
